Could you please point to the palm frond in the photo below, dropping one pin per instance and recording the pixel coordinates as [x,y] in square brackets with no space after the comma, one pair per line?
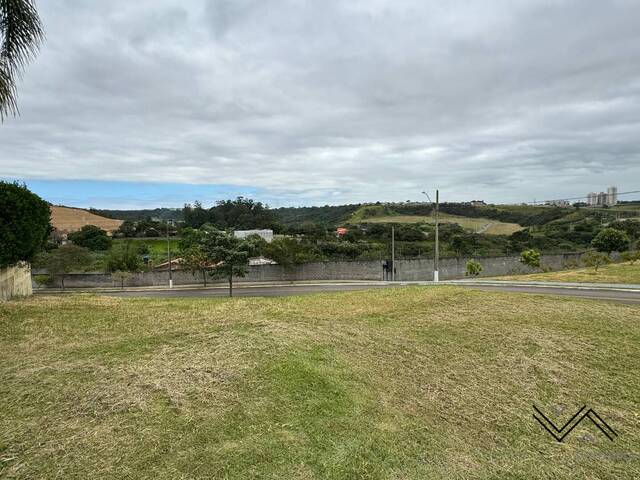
[20,37]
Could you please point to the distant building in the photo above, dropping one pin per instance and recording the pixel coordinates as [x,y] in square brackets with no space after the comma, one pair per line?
[477,203]
[265,234]
[341,231]
[601,199]
[612,195]
[558,203]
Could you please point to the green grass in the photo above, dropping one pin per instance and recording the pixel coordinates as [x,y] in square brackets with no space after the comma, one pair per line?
[613,273]
[483,225]
[407,383]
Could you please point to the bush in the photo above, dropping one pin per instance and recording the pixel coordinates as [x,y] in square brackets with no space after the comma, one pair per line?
[630,257]
[473,268]
[610,240]
[595,259]
[91,237]
[24,223]
[530,258]
[124,258]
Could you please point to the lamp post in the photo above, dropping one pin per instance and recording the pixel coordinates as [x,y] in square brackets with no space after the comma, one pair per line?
[169,257]
[436,277]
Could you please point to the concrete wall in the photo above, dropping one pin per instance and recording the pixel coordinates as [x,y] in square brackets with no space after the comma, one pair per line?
[15,282]
[406,270]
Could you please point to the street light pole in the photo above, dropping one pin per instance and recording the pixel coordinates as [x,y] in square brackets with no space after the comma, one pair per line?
[169,257]
[436,276]
[393,253]
[436,273]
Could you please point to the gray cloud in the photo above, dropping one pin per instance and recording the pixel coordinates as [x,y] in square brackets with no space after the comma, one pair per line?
[321,101]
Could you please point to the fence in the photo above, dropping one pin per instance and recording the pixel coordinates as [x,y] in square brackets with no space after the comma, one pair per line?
[406,270]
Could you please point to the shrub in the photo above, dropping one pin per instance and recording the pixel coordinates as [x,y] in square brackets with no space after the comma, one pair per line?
[530,258]
[473,268]
[630,257]
[595,259]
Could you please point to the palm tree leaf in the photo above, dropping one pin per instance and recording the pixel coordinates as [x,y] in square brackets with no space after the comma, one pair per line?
[20,37]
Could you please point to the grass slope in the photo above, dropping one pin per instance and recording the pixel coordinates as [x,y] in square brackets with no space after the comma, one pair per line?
[407,383]
[482,225]
[614,273]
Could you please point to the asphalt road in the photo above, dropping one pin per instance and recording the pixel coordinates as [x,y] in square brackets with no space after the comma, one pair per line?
[628,297]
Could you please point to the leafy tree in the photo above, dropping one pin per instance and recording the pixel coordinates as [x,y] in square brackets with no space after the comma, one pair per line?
[229,255]
[610,240]
[288,251]
[595,259]
[20,37]
[192,252]
[530,258]
[473,268]
[127,229]
[123,257]
[24,223]
[91,237]
[64,260]
[121,276]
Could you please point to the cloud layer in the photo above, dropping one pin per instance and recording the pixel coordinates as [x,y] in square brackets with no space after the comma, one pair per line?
[332,102]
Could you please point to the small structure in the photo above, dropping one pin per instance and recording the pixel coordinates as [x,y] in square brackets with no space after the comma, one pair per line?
[341,231]
[266,234]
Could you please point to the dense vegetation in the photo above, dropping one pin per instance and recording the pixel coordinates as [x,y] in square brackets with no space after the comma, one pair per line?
[24,223]
[309,233]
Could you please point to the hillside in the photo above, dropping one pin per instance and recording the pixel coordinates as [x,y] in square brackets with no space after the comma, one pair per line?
[386,214]
[67,220]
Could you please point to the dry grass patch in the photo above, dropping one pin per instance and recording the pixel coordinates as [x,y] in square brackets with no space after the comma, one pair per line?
[613,273]
[398,383]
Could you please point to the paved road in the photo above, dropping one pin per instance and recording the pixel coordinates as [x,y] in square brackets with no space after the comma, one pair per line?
[629,297]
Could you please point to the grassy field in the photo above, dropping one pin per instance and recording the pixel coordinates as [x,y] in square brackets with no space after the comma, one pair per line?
[613,273]
[481,225]
[407,383]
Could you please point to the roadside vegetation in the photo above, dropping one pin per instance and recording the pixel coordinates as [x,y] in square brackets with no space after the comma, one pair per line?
[407,383]
[597,273]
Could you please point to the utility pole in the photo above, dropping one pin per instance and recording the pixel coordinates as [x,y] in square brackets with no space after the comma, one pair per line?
[435,266]
[393,253]
[437,255]
[169,257]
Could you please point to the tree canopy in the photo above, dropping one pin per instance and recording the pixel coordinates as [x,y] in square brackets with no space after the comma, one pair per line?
[91,237]
[24,223]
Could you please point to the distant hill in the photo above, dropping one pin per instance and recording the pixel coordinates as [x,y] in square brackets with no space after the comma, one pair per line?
[174,214]
[67,220]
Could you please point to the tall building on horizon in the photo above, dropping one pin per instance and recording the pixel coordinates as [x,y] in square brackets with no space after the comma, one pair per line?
[600,199]
[612,195]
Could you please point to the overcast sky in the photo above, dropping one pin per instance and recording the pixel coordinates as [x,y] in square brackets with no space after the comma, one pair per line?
[314,102]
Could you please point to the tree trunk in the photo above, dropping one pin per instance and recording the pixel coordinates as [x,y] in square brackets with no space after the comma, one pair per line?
[231,285]
[204,277]
[62,281]
[122,283]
